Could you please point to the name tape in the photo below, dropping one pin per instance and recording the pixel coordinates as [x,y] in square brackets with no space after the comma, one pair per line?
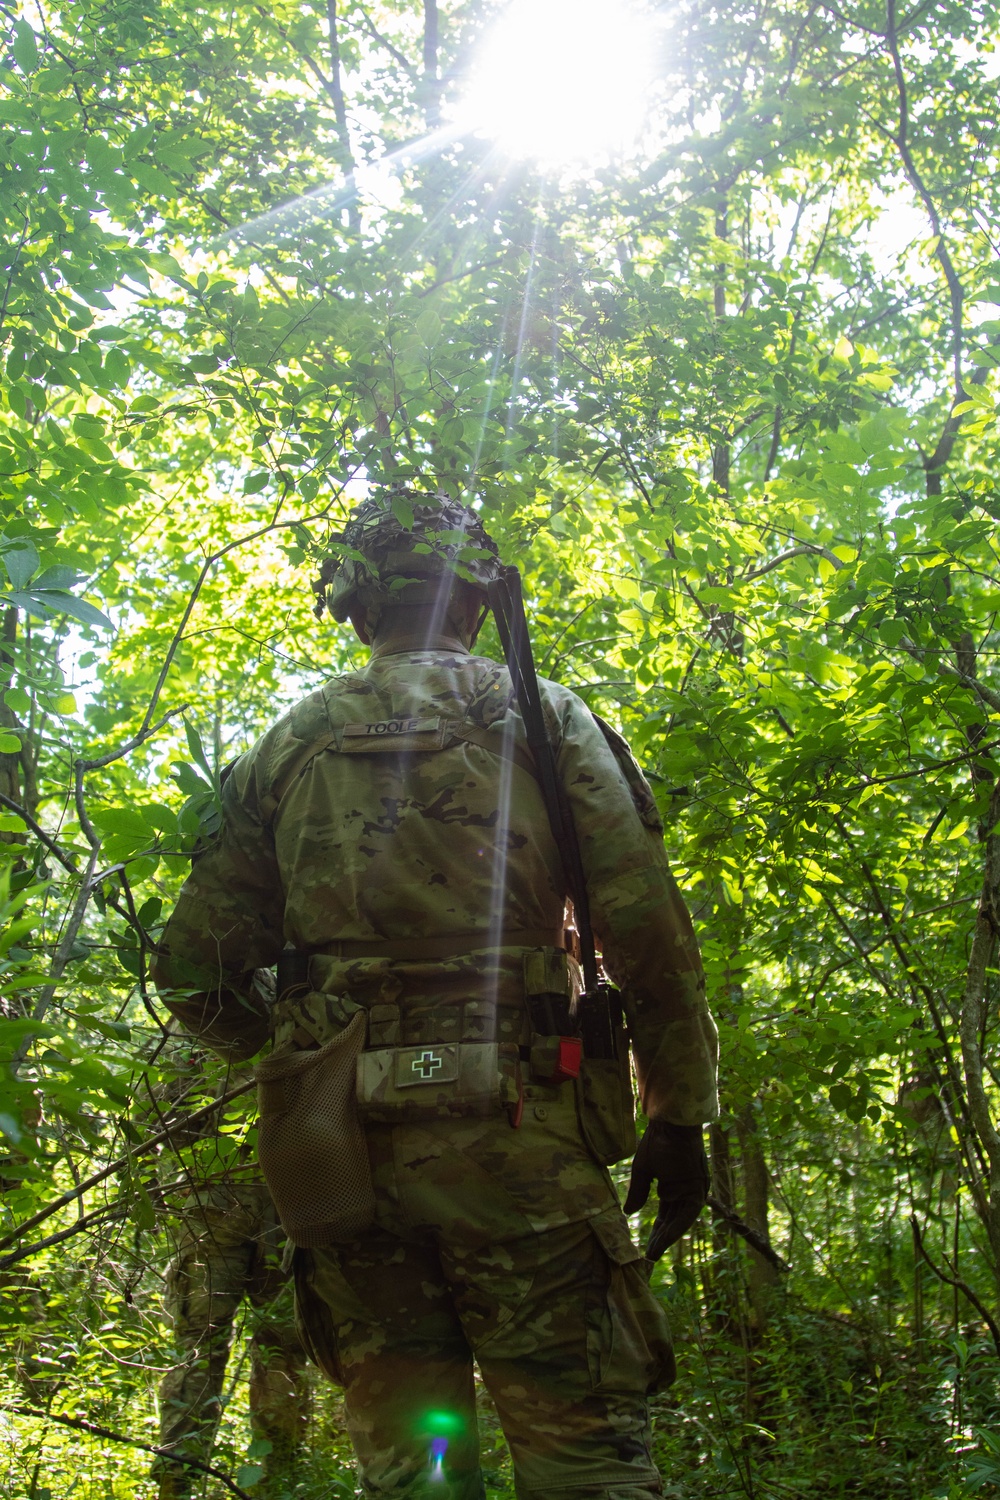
[387,729]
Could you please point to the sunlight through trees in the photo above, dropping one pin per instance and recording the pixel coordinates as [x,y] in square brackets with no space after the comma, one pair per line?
[710,332]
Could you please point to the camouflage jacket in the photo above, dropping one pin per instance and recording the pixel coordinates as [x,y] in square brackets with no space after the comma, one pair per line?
[322,841]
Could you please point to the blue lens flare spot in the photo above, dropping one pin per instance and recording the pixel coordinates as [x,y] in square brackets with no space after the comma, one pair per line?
[439,1447]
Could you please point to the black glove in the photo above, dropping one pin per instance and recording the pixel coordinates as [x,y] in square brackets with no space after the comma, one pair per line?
[673,1156]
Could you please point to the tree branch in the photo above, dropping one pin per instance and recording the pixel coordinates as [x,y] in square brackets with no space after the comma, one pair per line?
[935,765]
[961,1286]
[121,1164]
[755,1240]
[79,1424]
[431,84]
[61,956]
[808,549]
[64,859]
[383,41]
[935,462]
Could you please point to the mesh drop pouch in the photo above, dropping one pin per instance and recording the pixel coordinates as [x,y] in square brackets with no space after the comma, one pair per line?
[310,1143]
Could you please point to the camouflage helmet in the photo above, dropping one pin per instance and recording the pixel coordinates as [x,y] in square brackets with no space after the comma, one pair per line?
[400,544]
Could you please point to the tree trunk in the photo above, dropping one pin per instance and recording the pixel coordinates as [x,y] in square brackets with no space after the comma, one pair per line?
[721,454]
[336,91]
[10,761]
[431,84]
[722,1292]
[763,1276]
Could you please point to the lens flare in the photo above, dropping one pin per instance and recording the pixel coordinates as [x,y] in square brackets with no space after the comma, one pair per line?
[442,1423]
[563,80]
[439,1447]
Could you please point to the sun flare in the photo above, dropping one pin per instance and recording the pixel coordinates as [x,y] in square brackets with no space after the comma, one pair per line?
[562,80]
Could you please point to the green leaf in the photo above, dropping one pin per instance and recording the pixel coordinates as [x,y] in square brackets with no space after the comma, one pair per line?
[150,910]
[57,577]
[48,603]
[17,699]
[20,558]
[25,47]
[197,749]
[166,264]
[142,821]
[189,781]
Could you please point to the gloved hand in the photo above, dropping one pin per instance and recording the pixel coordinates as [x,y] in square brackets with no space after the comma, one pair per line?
[674,1157]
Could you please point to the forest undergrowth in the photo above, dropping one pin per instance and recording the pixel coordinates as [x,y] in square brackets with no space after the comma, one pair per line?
[822,1403]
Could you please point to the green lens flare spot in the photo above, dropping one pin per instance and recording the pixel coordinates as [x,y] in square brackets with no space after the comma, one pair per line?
[442,1423]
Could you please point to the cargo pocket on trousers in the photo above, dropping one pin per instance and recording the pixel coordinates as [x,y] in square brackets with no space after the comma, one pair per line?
[628,1339]
[313,1321]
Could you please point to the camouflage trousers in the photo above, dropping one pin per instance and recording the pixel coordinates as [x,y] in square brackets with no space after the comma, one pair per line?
[464,1265]
[228,1252]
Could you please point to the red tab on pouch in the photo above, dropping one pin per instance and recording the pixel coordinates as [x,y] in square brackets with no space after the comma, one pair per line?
[569,1058]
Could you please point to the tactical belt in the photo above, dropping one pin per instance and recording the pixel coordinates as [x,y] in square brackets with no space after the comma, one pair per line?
[416,949]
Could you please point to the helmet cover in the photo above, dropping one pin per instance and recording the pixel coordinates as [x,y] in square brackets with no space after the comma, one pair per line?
[400,543]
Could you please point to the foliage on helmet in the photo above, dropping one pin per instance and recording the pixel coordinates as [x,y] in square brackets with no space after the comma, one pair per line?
[398,545]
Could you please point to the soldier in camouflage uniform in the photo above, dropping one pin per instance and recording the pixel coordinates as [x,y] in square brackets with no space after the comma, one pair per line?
[228,1251]
[424,882]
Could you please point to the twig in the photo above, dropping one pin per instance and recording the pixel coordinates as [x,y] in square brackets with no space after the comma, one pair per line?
[81,1425]
[145,733]
[120,1164]
[61,957]
[383,41]
[935,765]
[108,1214]
[806,550]
[959,1285]
[64,859]
[753,1237]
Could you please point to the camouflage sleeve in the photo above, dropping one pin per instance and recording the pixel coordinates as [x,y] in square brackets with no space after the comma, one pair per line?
[226,925]
[640,918]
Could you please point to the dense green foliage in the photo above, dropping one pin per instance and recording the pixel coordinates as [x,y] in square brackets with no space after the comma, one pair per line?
[732,407]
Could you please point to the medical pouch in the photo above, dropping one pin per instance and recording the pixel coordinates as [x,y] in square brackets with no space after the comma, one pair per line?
[439,1081]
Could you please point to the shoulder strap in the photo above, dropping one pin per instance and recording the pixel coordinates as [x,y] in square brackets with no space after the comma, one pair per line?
[506,601]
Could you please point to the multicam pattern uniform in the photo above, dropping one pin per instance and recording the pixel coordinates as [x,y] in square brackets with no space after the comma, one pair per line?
[506,1242]
[228,1251]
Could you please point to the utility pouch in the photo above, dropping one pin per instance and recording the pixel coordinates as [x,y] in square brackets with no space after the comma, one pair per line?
[441,1081]
[555,1059]
[605,1103]
[310,1143]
